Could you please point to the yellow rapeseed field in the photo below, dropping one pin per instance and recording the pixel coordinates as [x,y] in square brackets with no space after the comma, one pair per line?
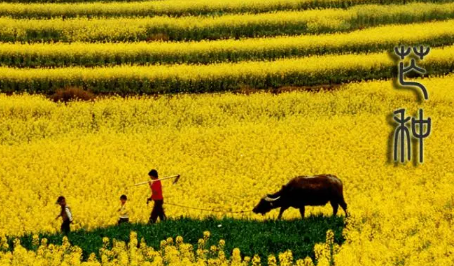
[230,150]
[227,26]
[173,7]
[376,38]
[171,252]
[186,77]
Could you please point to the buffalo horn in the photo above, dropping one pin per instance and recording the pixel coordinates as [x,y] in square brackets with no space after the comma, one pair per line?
[271,199]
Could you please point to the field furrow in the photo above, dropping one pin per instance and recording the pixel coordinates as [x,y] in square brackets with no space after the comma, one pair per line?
[175,7]
[229,26]
[376,39]
[218,77]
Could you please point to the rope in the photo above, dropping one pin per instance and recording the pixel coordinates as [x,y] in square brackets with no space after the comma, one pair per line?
[201,209]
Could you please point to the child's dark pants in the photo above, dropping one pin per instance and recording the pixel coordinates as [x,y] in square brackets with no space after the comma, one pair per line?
[65,227]
[123,220]
[158,211]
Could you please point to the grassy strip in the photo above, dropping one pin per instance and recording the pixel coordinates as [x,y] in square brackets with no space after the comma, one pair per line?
[228,26]
[218,77]
[109,54]
[177,7]
[251,237]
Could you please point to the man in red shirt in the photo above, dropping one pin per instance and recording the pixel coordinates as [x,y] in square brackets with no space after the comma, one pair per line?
[156,196]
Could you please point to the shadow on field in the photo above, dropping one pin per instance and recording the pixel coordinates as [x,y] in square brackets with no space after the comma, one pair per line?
[250,236]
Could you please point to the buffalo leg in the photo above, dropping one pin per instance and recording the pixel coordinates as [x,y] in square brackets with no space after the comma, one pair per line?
[302,212]
[335,206]
[344,207]
[281,212]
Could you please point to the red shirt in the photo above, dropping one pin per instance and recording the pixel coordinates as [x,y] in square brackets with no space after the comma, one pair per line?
[156,190]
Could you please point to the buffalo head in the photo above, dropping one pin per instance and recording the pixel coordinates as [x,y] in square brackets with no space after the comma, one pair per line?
[265,205]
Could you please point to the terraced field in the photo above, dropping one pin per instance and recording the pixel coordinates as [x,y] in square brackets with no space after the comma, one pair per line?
[184,86]
[203,46]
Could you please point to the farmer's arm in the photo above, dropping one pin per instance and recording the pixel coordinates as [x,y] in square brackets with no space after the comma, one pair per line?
[58,216]
[151,188]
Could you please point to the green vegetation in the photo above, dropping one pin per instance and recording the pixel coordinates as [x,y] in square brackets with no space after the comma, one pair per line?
[251,237]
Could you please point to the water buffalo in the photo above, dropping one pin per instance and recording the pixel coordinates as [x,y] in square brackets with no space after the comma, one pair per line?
[305,190]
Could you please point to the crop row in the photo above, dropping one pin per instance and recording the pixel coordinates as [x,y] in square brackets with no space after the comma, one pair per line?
[177,7]
[217,77]
[228,26]
[287,233]
[204,52]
